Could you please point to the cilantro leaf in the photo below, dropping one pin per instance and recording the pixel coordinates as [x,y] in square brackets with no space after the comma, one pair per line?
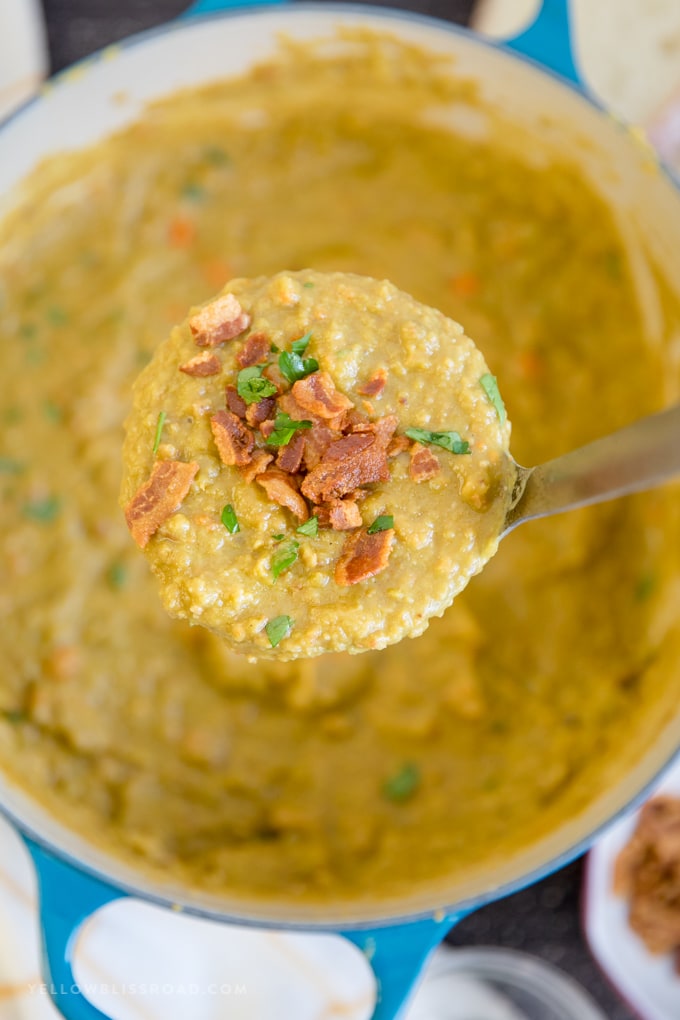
[450,441]
[382,523]
[489,384]
[291,363]
[285,428]
[403,784]
[230,520]
[160,424]
[278,628]
[284,557]
[310,528]
[301,345]
[252,386]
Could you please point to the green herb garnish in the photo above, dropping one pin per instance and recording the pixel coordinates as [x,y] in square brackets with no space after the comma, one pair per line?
[382,523]
[403,784]
[284,557]
[308,284]
[53,412]
[274,349]
[10,466]
[301,345]
[310,528]
[193,192]
[291,363]
[489,384]
[252,386]
[230,520]
[278,628]
[278,538]
[14,715]
[645,587]
[285,428]
[159,431]
[116,575]
[217,156]
[43,510]
[450,441]
[56,316]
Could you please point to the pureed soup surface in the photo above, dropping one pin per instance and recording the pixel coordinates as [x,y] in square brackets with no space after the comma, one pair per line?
[283,506]
[361,777]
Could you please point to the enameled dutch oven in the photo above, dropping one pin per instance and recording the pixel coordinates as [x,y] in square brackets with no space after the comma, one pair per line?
[534,80]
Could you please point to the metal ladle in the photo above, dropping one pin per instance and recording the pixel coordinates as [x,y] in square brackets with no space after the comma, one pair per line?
[637,457]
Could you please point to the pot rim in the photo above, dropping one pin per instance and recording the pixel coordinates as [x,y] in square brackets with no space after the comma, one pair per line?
[363,919]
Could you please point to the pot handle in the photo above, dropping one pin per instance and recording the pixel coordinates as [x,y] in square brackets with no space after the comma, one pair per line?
[67,898]
[397,955]
[548,40]
[212,6]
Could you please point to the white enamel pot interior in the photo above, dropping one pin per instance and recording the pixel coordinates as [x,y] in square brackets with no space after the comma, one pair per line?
[80,107]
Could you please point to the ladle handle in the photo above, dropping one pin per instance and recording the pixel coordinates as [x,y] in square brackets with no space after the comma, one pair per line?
[640,456]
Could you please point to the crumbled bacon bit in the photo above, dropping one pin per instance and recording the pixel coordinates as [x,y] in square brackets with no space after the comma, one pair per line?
[233,440]
[158,498]
[290,455]
[257,465]
[354,421]
[289,405]
[276,376]
[423,464]
[398,444]
[202,365]
[375,385]
[267,427]
[260,411]
[363,556]
[353,460]
[221,320]
[254,351]
[235,402]
[317,441]
[344,515]
[317,393]
[281,489]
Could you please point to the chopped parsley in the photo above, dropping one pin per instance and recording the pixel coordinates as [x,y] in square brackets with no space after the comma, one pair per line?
[285,428]
[193,192]
[160,424]
[43,510]
[230,520]
[489,384]
[278,538]
[291,363]
[450,441]
[403,784]
[53,412]
[278,628]
[11,466]
[645,587]
[382,523]
[308,284]
[310,528]
[116,575]
[284,557]
[252,386]
[274,349]
[56,316]
[14,716]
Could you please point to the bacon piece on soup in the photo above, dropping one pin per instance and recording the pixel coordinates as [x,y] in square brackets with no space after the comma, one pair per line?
[158,498]
[233,440]
[221,320]
[363,556]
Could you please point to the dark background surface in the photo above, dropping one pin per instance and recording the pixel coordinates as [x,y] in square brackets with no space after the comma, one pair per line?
[544,919]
